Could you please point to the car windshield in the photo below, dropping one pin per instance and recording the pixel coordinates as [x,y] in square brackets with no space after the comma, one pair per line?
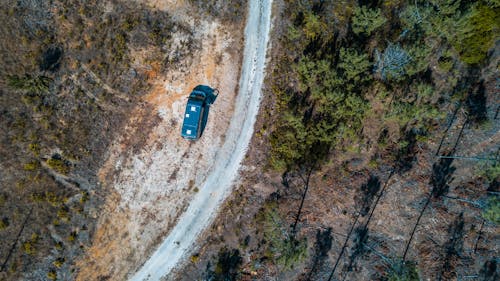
[197,96]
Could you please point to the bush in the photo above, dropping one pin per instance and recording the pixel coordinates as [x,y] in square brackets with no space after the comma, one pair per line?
[52,275]
[476,33]
[355,65]
[420,55]
[58,165]
[31,166]
[491,172]
[195,258]
[28,83]
[227,267]
[403,272]
[492,210]
[58,262]
[284,248]
[313,26]
[72,236]
[392,63]
[4,223]
[365,20]
[29,248]
[63,214]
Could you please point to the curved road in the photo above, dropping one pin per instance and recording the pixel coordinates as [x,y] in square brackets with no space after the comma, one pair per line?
[219,183]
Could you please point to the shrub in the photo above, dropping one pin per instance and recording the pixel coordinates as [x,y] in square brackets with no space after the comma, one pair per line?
[59,246]
[4,223]
[58,165]
[195,258]
[476,33]
[3,198]
[419,54]
[355,65]
[63,214]
[58,262]
[391,64]
[29,248]
[85,197]
[35,149]
[313,26]
[403,272]
[52,275]
[31,166]
[491,172]
[367,20]
[285,248]
[492,210]
[72,236]
[28,83]
[227,265]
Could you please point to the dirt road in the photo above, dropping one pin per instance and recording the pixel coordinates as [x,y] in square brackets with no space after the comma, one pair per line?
[218,185]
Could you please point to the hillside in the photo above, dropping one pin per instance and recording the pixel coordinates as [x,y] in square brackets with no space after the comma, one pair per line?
[375,154]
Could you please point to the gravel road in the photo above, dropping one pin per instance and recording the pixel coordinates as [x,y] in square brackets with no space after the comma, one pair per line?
[218,185]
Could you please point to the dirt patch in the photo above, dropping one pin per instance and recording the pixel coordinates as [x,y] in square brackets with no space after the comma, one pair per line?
[152,180]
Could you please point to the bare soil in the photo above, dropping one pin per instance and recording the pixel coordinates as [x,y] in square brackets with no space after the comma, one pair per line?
[151,178]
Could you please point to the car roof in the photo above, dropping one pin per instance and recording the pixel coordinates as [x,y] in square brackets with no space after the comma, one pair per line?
[191,118]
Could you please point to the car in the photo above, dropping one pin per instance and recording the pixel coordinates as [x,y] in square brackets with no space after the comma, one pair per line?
[197,109]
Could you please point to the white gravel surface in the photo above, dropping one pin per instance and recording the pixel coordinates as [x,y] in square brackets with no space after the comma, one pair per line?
[219,183]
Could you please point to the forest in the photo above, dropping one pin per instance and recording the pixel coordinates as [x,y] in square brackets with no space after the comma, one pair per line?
[375,155]
[381,120]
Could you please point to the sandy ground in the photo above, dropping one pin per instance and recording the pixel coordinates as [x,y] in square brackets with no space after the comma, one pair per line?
[219,184]
[151,186]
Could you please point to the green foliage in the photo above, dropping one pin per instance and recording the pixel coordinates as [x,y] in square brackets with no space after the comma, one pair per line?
[31,166]
[476,33]
[403,272]
[63,214]
[227,266]
[492,210]
[4,223]
[195,258]
[424,93]
[59,246]
[316,76]
[28,83]
[412,16]
[286,250]
[288,142]
[313,26]
[292,251]
[85,197]
[49,197]
[52,275]
[446,7]
[491,172]
[338,113]
[293,33]
[59,262]
[405,113]
[391,64]
[354,65]
[72,236]
[29,246]
[3,199]
[445,64]
[58,165]
[35,149]
[420,56]
[367,20]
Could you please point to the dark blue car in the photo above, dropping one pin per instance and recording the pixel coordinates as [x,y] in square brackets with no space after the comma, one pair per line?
[196,114]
